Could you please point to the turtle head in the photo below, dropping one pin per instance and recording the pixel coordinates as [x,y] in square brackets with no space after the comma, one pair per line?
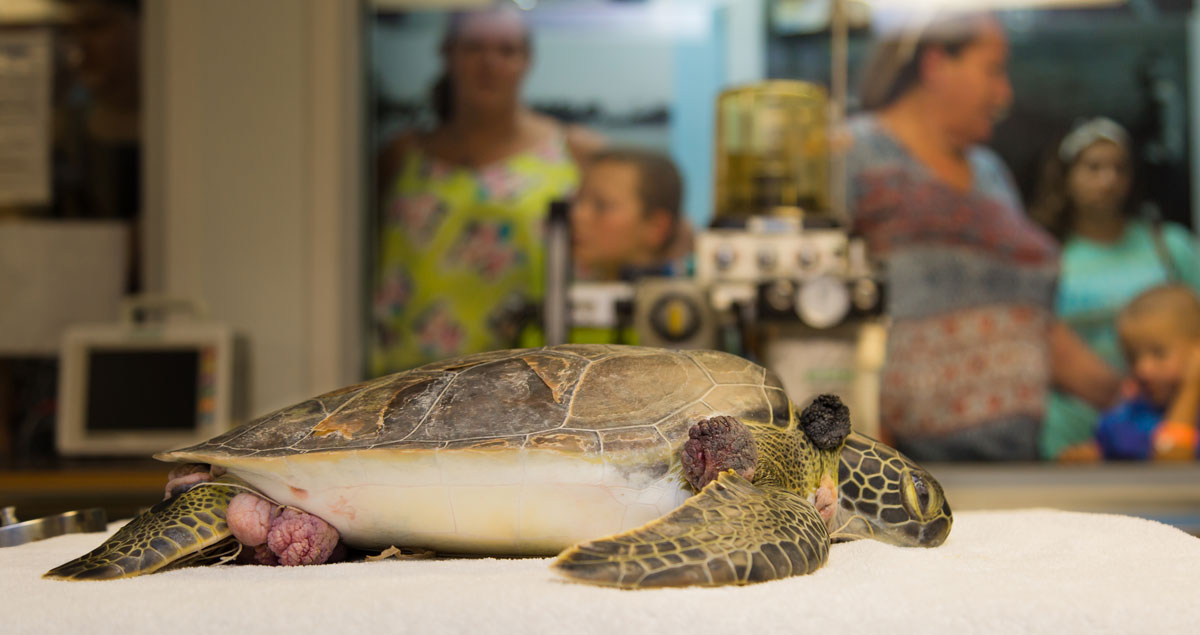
[884,495]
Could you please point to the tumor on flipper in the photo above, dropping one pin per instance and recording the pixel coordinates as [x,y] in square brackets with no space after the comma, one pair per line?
[715,445]
[297,537]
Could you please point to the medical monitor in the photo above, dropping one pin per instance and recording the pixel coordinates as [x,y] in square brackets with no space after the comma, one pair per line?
[136,390]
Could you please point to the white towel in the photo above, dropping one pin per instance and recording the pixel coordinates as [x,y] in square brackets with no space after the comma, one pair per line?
[1039,571]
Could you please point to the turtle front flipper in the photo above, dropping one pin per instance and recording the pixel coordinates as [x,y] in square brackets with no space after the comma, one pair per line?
[189,529]
[732,532]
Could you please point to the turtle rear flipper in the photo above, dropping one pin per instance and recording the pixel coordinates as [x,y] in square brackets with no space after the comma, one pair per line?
[189,529]
[732,532]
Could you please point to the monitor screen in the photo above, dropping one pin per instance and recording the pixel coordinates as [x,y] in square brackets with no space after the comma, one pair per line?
[135,390]
[143,390]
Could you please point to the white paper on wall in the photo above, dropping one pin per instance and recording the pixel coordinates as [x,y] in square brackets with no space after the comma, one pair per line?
[25,135]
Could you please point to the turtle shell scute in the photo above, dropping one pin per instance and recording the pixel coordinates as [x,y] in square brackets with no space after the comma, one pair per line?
[502,398]
[629,390]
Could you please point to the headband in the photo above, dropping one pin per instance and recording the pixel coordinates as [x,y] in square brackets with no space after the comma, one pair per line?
[1089,132]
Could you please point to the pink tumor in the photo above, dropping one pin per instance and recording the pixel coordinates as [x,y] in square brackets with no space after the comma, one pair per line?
[298,537]
[250,517]
[825,499]
[180,484]
[187,475]
[279,535]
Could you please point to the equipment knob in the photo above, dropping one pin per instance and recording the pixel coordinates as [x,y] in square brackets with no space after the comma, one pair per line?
[807,257]
[725,256]
[767,259]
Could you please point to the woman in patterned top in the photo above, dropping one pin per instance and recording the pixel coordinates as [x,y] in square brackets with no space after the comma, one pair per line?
[463,204]
[973,347]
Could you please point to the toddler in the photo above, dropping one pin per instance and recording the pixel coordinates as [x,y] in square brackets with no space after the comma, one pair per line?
[1160,336]
[625,221]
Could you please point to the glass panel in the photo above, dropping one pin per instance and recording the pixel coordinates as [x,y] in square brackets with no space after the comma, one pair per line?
[652,74]
[457,210]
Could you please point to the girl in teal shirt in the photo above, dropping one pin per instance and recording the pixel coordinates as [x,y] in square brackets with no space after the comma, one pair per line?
[1109,255]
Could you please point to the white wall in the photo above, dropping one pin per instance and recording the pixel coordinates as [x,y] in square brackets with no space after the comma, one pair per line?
[252,207]
[619,70]
[746,45]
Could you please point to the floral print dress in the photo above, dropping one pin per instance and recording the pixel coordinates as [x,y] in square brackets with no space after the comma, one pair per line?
[460,252]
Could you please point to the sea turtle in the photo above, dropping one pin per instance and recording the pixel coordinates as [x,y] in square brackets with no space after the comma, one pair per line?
[695,464]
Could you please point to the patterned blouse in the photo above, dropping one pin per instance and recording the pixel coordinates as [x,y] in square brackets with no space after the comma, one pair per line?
[970,286]
[460,253]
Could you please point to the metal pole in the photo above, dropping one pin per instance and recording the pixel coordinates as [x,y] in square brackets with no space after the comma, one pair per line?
[558,270]
[839,36]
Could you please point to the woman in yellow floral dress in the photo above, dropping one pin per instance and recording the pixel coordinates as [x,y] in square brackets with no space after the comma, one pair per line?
[463,205]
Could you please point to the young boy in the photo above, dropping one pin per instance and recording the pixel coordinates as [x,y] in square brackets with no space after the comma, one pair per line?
[625,221]
[1160,334]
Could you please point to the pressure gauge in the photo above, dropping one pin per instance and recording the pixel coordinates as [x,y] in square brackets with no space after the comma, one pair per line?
[675,317]
[780,295]
[822,302]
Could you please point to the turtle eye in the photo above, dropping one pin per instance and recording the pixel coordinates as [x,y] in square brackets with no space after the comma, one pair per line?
[922,491]
[917,496]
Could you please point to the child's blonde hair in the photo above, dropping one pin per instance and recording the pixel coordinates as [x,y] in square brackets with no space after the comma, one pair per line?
[1177,300]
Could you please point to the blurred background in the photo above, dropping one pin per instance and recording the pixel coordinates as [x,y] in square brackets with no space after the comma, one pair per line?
[191,188]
